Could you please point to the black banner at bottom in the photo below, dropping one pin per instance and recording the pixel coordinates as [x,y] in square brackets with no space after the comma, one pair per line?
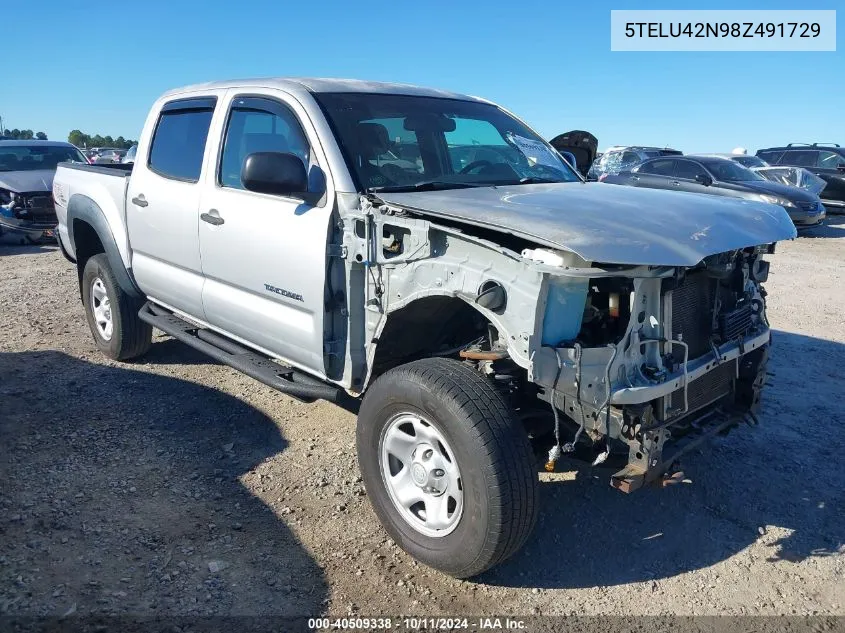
[408,624]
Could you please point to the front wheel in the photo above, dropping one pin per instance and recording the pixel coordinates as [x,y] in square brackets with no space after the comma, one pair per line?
[448,468]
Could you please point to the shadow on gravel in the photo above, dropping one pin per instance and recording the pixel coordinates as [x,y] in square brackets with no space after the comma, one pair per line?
[783,477]
[120,493]
[10,246]
[833,226]
[169,351]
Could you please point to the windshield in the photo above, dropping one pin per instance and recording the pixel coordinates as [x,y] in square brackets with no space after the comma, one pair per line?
[401,142]
[729,171]
[35,157]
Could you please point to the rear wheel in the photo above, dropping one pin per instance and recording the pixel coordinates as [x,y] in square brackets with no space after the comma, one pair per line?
[448,468]
[112,313]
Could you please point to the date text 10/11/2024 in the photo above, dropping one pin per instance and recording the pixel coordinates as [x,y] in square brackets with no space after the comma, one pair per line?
[417,624]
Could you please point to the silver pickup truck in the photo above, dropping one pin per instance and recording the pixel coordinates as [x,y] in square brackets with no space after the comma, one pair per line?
[428,256]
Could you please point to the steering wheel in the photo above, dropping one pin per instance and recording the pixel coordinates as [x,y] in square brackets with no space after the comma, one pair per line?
[475,165]
[396,174]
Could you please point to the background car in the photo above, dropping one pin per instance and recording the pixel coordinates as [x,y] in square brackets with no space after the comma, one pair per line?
[110,155]
[827,161]
[26,185]
[620,158]
[719,176]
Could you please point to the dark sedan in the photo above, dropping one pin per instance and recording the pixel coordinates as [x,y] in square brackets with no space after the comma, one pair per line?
[722,177]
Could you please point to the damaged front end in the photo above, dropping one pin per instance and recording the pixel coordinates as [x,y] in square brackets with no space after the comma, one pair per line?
[30,215]
[644,360]
[660,361]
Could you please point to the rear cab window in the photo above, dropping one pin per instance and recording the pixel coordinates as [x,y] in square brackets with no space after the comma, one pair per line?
[180,136]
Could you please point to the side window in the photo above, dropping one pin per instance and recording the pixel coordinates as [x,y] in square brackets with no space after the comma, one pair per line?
[659,167]
[259,125]
[770,156]
[629,159]
[830,160]
[179,141]
[799,158]
[688,169]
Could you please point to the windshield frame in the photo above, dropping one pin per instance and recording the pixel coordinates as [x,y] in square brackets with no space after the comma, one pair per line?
[47,149]
[376,106]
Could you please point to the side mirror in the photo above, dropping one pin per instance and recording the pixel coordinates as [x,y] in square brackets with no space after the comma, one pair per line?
[704,179]
[274,172]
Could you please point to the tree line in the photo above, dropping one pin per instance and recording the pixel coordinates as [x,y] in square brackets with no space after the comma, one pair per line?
[76,137]
[24,135]
[81,139]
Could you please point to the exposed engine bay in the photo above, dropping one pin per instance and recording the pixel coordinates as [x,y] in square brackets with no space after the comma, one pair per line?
[696,339]
[609,359]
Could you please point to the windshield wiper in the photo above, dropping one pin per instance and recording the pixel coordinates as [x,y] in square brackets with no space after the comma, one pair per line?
[425,185]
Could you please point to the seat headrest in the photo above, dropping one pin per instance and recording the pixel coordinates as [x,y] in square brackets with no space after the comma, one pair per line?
[372,139]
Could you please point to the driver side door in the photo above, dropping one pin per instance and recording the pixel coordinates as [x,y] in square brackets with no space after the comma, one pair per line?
[264,255]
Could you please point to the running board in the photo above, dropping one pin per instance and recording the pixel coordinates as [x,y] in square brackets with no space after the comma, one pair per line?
[289,381]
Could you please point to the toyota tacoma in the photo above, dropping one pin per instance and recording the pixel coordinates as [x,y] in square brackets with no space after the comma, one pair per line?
[429,255]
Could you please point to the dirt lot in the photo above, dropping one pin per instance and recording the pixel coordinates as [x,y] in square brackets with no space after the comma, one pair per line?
[176,486]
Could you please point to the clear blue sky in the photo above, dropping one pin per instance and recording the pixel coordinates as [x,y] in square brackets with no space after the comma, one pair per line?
[97,66]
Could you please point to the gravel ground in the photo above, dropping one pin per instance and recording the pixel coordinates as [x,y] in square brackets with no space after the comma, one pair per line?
[176,486]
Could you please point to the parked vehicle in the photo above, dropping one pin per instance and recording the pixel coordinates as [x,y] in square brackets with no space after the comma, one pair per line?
[620,158]
[318,236]
[26,180]
[107,156]
[129,156]
[582,146]
[827,161]
[720,176]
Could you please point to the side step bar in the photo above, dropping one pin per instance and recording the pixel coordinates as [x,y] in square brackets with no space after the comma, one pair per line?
[289,381]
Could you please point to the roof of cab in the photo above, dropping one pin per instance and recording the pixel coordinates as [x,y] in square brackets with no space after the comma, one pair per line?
[298,85]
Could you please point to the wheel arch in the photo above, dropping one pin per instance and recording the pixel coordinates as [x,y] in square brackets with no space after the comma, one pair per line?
[425,327]
[89,233]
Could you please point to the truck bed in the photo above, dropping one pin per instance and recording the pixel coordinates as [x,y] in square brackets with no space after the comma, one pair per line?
[122,170]
[104,185]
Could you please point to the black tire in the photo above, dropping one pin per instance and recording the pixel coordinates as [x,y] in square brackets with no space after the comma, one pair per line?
[130,337]
[498,468]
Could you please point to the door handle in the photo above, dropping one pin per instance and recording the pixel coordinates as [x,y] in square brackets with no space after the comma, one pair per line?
[140,200]
[677,183]
[212,217]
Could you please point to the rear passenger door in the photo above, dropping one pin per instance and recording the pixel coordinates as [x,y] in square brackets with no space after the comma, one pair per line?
[263,255]
[163,201]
